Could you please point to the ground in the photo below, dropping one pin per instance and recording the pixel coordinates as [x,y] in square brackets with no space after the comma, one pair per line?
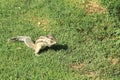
[87,33]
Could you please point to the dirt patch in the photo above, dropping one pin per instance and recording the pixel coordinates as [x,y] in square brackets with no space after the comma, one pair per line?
[95,7]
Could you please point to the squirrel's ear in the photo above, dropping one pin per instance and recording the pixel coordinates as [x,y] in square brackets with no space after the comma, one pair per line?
[50,35]
[42,37]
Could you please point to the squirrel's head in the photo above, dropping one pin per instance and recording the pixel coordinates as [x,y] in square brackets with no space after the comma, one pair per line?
[51,40]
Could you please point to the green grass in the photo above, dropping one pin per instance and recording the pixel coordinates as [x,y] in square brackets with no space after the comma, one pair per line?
[82,38]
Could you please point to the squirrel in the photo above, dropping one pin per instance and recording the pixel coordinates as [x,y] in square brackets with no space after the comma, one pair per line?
[40,43]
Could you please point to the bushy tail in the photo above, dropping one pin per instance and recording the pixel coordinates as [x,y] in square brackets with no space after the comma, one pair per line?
[27,40]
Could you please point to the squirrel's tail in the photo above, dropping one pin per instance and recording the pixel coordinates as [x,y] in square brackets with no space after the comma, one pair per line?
[27,40]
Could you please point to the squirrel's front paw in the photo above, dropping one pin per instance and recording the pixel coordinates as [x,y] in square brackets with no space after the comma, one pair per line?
[36,54]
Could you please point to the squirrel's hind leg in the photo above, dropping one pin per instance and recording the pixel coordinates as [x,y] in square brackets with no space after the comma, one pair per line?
[37,49]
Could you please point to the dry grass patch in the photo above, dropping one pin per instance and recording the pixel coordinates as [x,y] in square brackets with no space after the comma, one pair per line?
[95,7]
[42,23]
[37,21]
[77,66]
[113,61]
[77,3]
[91,74]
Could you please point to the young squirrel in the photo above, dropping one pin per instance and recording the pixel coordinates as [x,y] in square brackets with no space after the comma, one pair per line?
[40,43]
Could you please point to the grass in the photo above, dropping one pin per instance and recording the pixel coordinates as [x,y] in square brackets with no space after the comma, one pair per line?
[87,35]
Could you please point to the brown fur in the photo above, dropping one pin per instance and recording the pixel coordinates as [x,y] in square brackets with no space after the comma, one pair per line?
[40,43]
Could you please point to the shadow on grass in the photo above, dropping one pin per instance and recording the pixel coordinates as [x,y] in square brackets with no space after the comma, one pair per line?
[56,47]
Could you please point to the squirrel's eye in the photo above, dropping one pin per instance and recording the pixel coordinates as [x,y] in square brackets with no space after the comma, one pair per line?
[51,41]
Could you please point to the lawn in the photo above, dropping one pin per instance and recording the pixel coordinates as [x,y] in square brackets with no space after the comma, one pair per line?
[87,33]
